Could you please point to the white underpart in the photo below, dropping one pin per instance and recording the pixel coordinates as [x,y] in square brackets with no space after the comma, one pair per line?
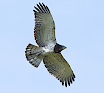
[46,50]
[49,47]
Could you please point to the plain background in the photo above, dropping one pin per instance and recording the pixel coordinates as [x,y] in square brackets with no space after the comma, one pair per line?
[79,26]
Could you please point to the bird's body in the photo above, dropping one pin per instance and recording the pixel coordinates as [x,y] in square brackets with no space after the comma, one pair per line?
[49,50]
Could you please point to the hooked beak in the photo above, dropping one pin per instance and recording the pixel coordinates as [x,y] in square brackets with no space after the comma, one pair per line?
[64,47]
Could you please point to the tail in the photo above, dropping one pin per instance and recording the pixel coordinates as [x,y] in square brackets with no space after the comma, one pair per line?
[33,55]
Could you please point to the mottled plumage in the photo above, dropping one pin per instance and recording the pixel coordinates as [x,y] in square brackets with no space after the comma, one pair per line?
[49,50]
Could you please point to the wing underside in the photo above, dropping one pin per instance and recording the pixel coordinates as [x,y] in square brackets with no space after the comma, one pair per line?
[58,67]
[44,31]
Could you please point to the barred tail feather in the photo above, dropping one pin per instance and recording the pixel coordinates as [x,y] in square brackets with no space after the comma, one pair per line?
[33,55]
[35,61]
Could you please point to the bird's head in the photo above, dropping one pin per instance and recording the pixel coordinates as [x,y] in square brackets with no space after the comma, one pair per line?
[58,48]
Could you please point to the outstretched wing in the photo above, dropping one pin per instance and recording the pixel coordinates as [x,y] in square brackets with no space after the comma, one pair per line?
[44,31]
[58,67]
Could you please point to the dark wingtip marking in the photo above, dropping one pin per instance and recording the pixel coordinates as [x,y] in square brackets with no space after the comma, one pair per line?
[40,4]
[68,83]
[34,11]
[62,83]
[43,4]
[74,76]
[39,7]
[70,80]
[65,84]
[36,8]
[48,9]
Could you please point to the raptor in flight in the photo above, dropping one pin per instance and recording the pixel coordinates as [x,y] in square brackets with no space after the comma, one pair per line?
[48,50]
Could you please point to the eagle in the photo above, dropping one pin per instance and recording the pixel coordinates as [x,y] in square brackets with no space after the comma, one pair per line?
[48,49]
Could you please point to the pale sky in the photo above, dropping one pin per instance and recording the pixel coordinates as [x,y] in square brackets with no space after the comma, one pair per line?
[79,26]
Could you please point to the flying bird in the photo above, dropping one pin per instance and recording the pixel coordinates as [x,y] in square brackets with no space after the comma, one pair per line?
[48,49]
